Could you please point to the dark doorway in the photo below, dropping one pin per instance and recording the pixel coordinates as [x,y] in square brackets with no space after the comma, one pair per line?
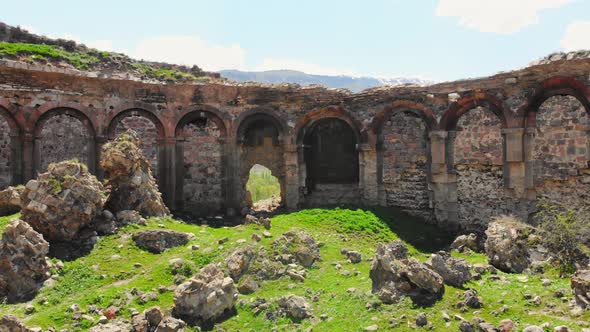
[331,155]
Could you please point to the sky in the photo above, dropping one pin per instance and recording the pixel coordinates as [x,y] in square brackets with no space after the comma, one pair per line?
[431,39]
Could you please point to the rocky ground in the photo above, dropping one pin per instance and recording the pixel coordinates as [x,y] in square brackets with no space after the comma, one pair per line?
[311,269]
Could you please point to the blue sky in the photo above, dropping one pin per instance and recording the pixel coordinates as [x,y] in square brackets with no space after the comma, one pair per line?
[432,39]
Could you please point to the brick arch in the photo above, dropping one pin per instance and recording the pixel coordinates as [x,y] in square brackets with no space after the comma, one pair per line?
[15,128]
[307,121]
[74,109]
[195,112]
[459,108]
[404,106]
[247,118]
[554,86]
[117,116]
[85,151]
[10,144]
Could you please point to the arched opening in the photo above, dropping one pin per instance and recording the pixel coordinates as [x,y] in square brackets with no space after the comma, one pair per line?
[477,160]
[8,138]
[260,143]
[561,154]
[263,189]
[147,131]
[201,157]
[331,162]
[63,134]
[404,162]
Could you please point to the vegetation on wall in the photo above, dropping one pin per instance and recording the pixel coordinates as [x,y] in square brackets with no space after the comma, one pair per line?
[262,184]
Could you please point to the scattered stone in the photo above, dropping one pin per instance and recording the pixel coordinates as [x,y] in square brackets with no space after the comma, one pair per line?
[256,237]
[299,244]
[130,217]
[507,244]
[223,240]
[266,234]
[353,256]
[239,261]
[129,176]
[421,320]
[394,275]
[532,328]
[206,297]
[466,326]
[506,325]
[372,328]
[561,328]
[295,307]
[580,283]
[10,200]
[247,286]
[10,323]
[113,326]
[471,300]
[29,309]
[156,241]
[62,204]
[454,271]
[103,320]
[23,266]
[466,241]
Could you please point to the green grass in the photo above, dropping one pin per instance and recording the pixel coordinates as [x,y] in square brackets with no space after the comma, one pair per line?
[166,74]
[102,278]
[5,220]
[262,184]
[80,60]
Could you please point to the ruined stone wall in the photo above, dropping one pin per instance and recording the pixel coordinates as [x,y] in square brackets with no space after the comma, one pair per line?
[147,133]
[62,137]
[477,157]
[5,154]
[561,156]
[202,156]
[405,164]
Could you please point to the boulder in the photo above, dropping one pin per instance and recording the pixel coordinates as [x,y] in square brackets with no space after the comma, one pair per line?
[23,265]
[156,241]
[10,200]
[580,283]
[153,319]
[247,286]
[295,307]
[454,271]
[353,256]
[128,217]
[117,325]
[300,245]
[239,261]
[10,323]
[394,275]
[129,176]
[63,202]
[206,297]
[466,241]
[507,245]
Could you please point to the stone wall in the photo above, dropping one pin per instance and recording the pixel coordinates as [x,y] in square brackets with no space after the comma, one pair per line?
[147,133]
[5,154]
[405,164]
[561,156]
[202,158]
[62,137]
[477,161]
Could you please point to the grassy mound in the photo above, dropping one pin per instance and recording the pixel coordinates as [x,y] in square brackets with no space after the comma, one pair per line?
[116,269]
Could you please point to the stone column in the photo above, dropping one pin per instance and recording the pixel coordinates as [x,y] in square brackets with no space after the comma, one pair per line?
[231,171]
[291,176]
[16,156]
[166,169]
[179,174]
[444,183]
[368,185]
[99,142]
[529,162]
[29,157]
[514,161]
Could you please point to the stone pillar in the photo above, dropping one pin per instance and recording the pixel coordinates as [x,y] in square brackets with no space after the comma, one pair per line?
[29,157]
[514,161]
[529,162]
[368,185]
[16,155]
[178,200]
[166,169]
[291,176]
[99,142]
[444,183]
[231,171]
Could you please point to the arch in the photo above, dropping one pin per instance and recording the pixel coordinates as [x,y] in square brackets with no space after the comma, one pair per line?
[307,121]
[404,106]
[120,115]
[10,149]
[75,109]
[198,112]
[259,114]
[554,86]
[73,147]
[459,108]
[15,128]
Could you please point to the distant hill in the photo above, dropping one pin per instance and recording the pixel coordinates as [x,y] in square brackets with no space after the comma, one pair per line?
[354,84]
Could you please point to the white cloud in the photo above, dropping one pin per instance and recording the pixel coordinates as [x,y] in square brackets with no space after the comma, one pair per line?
[189,50]
[496,16]
[577,36]
[309,68]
